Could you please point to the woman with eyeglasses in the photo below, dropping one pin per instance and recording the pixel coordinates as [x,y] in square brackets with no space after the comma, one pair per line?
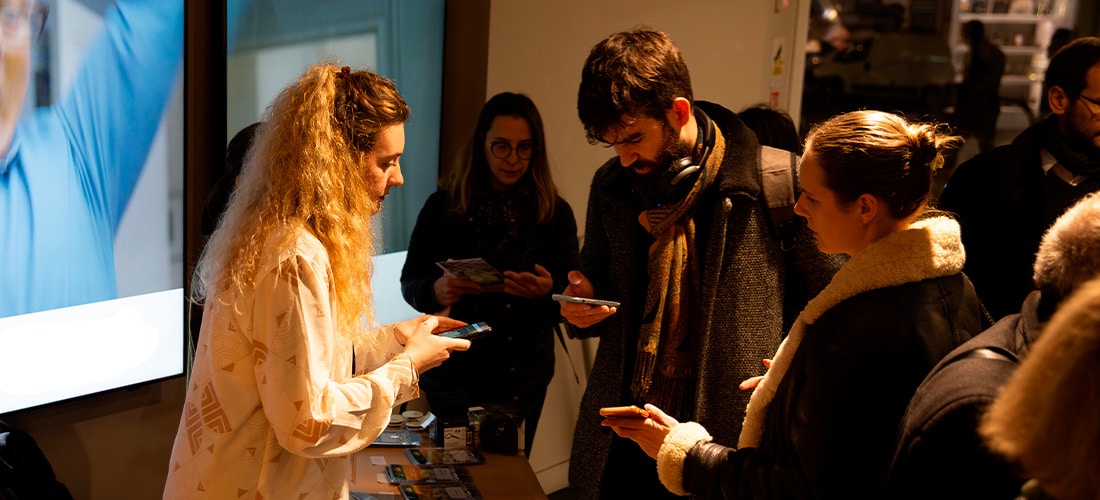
[498,203]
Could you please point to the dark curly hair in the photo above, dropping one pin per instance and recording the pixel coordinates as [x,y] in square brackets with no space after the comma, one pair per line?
[630,74]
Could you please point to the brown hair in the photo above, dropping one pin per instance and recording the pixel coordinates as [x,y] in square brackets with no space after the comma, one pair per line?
[630,74]
[882,154]
[305,169]
[1069,67]
[472,169]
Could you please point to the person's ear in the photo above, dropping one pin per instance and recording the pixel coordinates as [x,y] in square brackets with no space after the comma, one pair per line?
[868,207]
[1058,100]
[680,113]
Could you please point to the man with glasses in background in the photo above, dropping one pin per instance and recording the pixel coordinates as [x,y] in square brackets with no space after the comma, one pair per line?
[1006,198]
[67,172]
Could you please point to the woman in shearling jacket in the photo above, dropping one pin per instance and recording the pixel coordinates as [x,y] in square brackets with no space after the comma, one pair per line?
[822,422]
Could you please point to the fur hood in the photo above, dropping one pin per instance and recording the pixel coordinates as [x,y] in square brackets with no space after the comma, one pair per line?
[929,248]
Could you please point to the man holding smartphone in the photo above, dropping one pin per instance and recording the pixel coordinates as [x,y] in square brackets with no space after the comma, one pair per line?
[678,233]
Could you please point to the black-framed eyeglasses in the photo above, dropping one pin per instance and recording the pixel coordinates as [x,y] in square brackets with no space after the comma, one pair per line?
[502,149]
[20,18]
[1090,100]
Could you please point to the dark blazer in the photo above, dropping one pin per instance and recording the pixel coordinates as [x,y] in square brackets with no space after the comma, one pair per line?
[1005,202]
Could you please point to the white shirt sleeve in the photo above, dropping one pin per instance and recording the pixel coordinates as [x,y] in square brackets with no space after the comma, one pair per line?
[315,404]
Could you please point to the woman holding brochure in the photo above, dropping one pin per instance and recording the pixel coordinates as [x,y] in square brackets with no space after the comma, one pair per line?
[498,204]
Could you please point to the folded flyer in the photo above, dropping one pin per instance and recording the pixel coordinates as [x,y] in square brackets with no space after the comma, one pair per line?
[476,270]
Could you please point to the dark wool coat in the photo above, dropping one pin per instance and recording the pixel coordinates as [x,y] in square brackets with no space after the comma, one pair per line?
[1005,202]
[939,453]
[744,279]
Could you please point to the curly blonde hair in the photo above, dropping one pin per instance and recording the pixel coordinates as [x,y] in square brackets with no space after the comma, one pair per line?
[306,169]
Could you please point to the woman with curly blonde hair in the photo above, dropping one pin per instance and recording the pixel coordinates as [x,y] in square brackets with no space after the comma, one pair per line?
[274,406]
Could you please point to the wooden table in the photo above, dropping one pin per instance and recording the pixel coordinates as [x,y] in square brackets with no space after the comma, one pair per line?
[501,476]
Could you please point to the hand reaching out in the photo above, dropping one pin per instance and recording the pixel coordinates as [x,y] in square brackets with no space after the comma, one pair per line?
[752,382]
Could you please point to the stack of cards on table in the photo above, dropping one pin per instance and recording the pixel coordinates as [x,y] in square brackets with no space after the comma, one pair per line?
[427,474]
[436,473]
[458,491]
[359,495]
[442,456]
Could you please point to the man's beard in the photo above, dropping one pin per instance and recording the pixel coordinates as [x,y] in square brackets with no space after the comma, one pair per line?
[656,186]
[671,151]
[1079,137]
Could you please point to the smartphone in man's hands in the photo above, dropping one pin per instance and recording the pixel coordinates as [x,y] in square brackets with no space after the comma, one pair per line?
[584,300]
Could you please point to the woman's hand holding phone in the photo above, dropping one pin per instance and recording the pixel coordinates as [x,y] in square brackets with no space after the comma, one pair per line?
[631,411]
[426,349]
[649,431]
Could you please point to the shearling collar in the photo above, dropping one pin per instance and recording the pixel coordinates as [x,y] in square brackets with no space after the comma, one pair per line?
[929,248]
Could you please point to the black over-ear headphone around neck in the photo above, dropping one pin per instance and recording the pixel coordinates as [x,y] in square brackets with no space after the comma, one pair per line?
[685,167]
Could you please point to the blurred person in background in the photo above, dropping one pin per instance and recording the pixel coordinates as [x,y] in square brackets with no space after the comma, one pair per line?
[1006,198]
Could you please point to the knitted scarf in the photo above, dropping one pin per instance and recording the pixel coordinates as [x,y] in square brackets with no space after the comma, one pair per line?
[929,248]
[664,338]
